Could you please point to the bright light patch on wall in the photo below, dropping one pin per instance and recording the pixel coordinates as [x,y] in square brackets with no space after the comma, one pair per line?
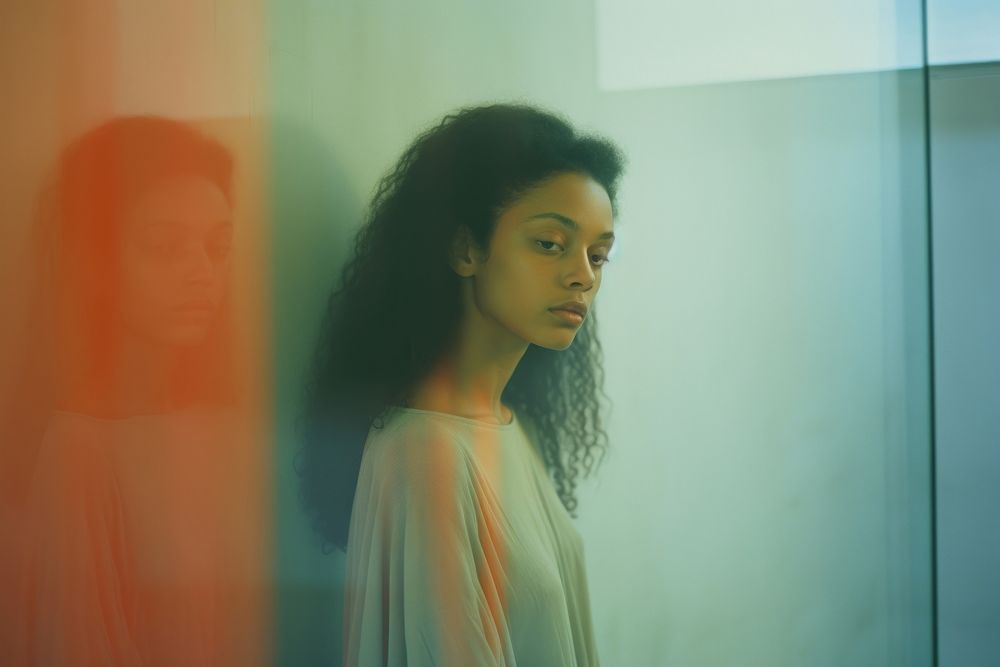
[963,31]
[655,43]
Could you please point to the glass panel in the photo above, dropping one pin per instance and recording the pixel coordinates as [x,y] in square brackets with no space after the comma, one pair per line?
[965,138]
[765,319]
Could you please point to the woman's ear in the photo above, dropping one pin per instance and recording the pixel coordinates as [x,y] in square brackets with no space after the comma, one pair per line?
[462,256]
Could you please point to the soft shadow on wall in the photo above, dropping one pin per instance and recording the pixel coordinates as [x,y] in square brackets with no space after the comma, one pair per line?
[314,215]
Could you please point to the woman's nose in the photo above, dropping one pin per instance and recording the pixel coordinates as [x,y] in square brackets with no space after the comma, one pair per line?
[583,273]
[200,267]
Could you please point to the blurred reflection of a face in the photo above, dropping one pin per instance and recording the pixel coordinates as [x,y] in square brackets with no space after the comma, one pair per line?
[175,261]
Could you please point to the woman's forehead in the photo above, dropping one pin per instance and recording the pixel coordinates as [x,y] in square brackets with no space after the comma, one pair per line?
[188,200]
[574,201]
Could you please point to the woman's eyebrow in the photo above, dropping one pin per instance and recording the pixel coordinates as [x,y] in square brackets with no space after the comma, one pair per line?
[567,222]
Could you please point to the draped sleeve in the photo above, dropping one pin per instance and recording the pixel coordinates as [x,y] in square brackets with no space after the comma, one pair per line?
[75,607]
[424,585]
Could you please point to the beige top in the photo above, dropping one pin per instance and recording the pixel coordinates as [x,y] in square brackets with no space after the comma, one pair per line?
[460,553]
[143,544]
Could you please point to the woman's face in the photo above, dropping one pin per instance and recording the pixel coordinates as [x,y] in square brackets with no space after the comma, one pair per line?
[549,247]
[175,261]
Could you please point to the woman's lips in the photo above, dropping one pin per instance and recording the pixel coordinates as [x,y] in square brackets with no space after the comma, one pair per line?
[567,315]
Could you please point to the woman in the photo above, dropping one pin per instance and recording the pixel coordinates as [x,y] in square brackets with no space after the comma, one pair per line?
[134,550]
[458,365]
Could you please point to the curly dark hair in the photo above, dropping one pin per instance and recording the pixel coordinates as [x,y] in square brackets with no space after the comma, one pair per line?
[465,170]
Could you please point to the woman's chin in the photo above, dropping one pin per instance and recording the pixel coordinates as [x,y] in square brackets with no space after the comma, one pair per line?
[557,343]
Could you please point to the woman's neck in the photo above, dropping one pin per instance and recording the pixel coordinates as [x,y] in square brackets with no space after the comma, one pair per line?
[139,384]
[470,380]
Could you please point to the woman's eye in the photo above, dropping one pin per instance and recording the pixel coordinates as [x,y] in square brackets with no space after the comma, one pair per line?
[549,242]
[601,260]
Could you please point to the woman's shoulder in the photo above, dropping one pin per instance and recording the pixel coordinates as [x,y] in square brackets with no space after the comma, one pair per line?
[412,449]
[72,473]
[414,435]
[71,439]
